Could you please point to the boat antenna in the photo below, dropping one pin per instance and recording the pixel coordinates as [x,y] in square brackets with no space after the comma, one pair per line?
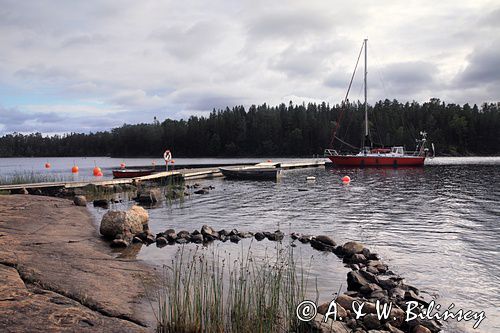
[367,138]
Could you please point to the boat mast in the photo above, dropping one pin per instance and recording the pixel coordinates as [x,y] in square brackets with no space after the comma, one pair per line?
[366,104]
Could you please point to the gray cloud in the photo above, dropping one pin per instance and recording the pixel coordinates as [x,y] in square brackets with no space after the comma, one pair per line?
[127,61]
[289,22]
[483,67]
[408,77]
[194,40]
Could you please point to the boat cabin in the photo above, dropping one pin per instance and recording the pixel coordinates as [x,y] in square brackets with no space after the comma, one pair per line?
[397,150]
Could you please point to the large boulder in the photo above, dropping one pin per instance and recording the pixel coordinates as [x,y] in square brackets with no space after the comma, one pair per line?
[127,223]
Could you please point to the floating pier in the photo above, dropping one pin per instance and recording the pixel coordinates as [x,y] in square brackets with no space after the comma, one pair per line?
[185,174]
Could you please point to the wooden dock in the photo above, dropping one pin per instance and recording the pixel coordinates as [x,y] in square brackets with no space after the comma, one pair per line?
[185,174]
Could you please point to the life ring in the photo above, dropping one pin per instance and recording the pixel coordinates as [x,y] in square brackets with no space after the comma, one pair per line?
[167,156]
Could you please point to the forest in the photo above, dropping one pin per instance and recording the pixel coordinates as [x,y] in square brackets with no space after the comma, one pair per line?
[293,130]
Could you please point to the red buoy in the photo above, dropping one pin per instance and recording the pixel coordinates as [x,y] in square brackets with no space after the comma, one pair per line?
[97,171]
[74,169]
[122,166]
[346,179]
[99,174]
[47,165]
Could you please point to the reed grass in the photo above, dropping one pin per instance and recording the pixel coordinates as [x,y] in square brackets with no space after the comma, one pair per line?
[203,291]
[29,177]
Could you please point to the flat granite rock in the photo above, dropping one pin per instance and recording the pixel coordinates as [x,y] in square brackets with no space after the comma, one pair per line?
[58,274]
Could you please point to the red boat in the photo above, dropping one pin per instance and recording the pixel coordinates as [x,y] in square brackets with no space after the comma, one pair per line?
[396,157]
[131,173]
[369,156]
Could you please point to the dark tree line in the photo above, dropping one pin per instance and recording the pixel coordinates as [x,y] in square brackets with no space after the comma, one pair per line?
[283,130]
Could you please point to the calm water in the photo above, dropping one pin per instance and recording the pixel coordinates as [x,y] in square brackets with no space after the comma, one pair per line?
[438,226]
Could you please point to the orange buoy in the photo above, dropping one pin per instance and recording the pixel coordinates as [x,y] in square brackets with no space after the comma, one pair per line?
[97,171]
[122,165]
[346,179]
[47,165]
[172,161]
[269,161]
[74,169]
[99,174]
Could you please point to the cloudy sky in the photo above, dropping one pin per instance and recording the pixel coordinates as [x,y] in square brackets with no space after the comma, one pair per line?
[91,65]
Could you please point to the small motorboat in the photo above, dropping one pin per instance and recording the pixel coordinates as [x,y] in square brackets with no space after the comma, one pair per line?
[132,173]
[257,172]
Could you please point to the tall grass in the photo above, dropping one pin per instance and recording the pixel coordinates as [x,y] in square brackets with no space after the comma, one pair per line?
[205,292]
[29,177]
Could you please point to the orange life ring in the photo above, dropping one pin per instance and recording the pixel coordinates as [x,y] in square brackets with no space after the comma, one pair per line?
[167,155]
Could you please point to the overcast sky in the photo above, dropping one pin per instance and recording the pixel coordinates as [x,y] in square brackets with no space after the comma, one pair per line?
[91,65]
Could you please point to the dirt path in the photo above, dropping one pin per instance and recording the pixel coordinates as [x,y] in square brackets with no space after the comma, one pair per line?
[58,275]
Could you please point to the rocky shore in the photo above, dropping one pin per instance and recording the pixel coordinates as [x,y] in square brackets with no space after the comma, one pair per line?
[58,275]
[369,281]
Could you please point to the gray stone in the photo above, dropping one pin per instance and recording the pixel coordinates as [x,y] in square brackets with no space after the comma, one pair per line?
[378,294]
[259,236]
[341,312]
[119,243]
[184,234]
[369,288]
[355,280]
[150,239]
[234,238]
[223,232]
[410,295]
[148,196]
[357,258]
[80,200]
[397,293]
[161,241]
[318,325]
[198,238]
[103,203]
[170,235]
[388,327]
[326,240]
[245,234]
[127,223]
[320,246]
[305,238]
[137,239]
[206,230]
[420,329]
[345,301]
[275,236]
[351,248]
[371,321]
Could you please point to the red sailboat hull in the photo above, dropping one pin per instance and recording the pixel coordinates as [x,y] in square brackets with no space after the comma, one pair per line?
[375,161]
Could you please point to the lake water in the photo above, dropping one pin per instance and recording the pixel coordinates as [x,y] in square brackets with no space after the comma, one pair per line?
[437,226]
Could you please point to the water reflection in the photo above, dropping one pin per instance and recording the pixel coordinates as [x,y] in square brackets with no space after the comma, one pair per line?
[437,225]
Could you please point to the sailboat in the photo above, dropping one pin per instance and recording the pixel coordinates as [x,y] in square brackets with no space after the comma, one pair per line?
[369,156]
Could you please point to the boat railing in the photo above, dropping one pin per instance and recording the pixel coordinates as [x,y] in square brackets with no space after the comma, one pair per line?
[330,152]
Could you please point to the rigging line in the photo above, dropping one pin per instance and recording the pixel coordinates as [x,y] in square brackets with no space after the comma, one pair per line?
[346,143]
[377,66]
[346,96]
